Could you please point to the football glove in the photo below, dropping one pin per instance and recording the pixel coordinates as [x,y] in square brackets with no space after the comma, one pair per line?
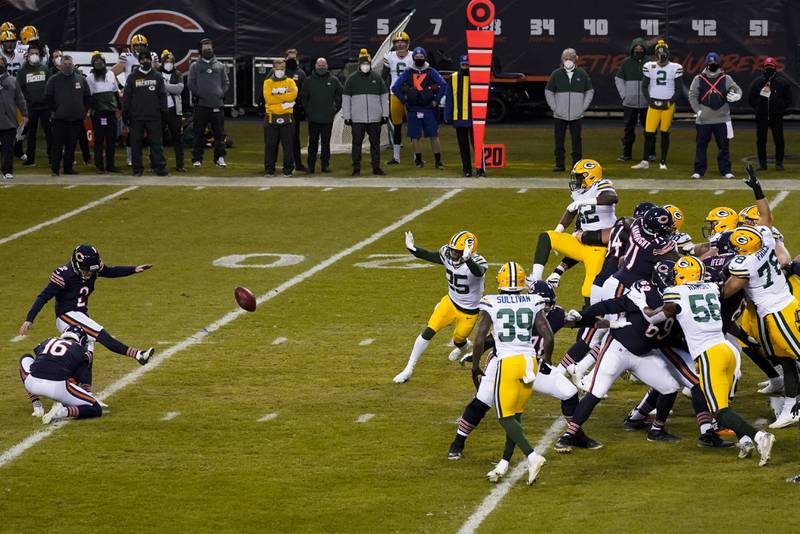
[638,298]
[733,96]
[619,323]
[467,251]
[573,316]
[753,183]
[554,279]
[574,206]
[410,241]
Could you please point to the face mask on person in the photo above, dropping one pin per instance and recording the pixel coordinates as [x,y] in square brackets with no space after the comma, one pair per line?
[168,67]
[365,67]
[207,53]
[280,73]
[33,59]
[144,66]
[569,64]
[712,67]
[419,62]
[321,71]
[99,67]
[769,72]
[638,54]
[68,70]
[291,64]
[464,69]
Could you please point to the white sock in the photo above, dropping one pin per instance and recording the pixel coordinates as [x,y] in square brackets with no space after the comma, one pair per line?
[419,347]
[501,466]
[396,152]
[532,456]
[705,427]
[537,271]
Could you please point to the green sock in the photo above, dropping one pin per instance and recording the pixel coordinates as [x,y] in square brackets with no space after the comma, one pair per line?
[542,249]
[791,380]
[728,418]
[508,451]
[514,432]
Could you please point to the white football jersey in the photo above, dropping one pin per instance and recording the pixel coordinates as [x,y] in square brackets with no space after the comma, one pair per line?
[397,64]
[464,288]
[512,322]
[45,52]
[699,315]
[14,61]
[661,80]
[596,217]
[767,286]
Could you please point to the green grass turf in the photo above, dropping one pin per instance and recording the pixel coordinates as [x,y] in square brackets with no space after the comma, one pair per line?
[529,153]
[313,469]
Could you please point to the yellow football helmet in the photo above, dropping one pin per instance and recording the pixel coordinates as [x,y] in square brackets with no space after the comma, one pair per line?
[584,174]
[746,240]
[511,277]
[457,244]
[677,215]
[138,40]
[689,270]
[749,216]
[8,27]
[28,34]
[401,36]
[8,36]
[720,219]
[165,54]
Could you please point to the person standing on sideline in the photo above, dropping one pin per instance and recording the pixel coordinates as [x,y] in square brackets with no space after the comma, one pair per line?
[421,88]
[11,100]
[394,63]
[322,99]
[458,112]
[68,96]
[568,93]
[104,107]
[709,94]
[294,72]
[634,104]
[144,103]
[280,93]
[208,83]
[770,96]
[32,80]
[173,83]
[365,107]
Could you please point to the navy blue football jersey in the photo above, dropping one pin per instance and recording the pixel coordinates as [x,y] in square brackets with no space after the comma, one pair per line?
[58,359]
[642,254]
[615,250]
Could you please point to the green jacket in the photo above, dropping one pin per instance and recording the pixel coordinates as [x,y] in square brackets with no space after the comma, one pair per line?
[321,97]
[629,79]
[569,98]
[32,80]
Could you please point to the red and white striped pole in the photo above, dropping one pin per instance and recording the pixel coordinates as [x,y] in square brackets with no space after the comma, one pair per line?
[480,42]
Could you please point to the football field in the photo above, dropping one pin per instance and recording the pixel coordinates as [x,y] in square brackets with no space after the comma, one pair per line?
[287,419]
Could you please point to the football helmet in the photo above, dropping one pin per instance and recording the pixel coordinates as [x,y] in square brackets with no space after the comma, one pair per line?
[86,261]
[138,43]
[584,174]
[545,291]
[457,244]
[749,216]
[399,37]
[28,34]
[75,333]
[677,215]
[8,36]
[724,245]
[663,274]
[720,219]
[8,27]
[642,208]
[658,222]
[746,240]
[511,277]
[689,270]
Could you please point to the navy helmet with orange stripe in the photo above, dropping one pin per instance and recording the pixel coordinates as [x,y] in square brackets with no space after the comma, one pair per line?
[86,261]
[75,333]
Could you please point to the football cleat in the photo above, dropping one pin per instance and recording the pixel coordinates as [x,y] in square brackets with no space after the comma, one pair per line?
[711,440]
[773,385]
[144,356]
[535,463]
[585,442]
[786,418]
[585,174]
[38,409]
[467,358]
[630,425]
[403,376]
[662,166]
[662,435]
[498,472]
[746,447]
[57,413]
[221,162]
[456,451]
[764,442]
[458,352]
[793,480]
[644,164]
[554,279]
[564,443]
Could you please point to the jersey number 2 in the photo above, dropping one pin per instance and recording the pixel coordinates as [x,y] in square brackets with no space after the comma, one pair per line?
[84,292]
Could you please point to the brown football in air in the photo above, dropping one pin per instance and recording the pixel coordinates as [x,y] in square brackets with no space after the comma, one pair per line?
[245,299]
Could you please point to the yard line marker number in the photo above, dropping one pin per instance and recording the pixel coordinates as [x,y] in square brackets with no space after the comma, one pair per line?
[198,337]
[66,215]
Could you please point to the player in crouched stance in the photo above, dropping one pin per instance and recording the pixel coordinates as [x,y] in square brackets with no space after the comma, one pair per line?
[515,318]
[696,306]
[51,374]
[464,270]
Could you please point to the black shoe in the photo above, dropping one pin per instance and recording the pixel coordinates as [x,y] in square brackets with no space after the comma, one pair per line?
[28,163]
[559,169]
[585,442]
[180,169]
[356,172]
[301,168]
[467,173]
[419,163]
[779,167]
[288,174]
[310,170]
[624,158]
[162,172]
[711,439]
[635,424]
[100,170]
[762,166]
[439,165]
[113,170]
[393,162]
[564,443]
[480,173]
[326,170]
[55,173]
[661,435]
[269,175]
[138,173]
[378,172]
[71,172]
[456,451]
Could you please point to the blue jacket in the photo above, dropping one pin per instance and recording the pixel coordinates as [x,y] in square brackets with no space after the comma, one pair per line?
[420,88]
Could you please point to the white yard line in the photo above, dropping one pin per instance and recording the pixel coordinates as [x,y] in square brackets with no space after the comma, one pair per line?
[654,191]
[267,417]
[280,340]
[391,190]
[17,339]
[328,189]
[169,416]
[73,186]
[18,449]
[780,197]
[199,188]
[263,188]
[67,215]
[365,417]
[365,342]
[499,492]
